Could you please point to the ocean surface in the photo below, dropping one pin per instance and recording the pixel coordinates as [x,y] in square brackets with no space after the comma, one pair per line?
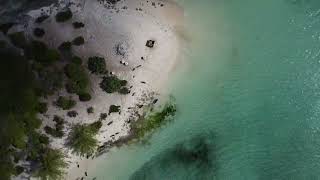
[248,98]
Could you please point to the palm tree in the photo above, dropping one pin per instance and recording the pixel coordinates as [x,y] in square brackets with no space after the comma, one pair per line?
[52,165]
[82,141]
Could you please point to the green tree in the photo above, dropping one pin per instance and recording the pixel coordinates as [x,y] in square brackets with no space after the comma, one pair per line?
[97,65]
[15,132]
[82,140]
[84,96]
[6,169]
[65,103]
[41,53]
[52,165]
[111,84]
[78,78]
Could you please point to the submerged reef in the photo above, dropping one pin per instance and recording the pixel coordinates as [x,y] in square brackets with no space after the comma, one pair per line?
[191,159]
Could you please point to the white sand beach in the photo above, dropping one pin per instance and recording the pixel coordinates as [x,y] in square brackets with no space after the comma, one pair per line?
[128,25]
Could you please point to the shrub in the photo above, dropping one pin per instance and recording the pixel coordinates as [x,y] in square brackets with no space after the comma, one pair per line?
[58,130]
[114,108]
[124,90]
[65,46]
[111,84]
[42,107]
[90,110]
[63,16]
[52,165]
[41,53]
[53,132]
[97,65]
[78,25]
[78,41]
[103,116]
[38,32]
[18,39]
[72,113]
[153,121]
[78,78]
[65,103]
[76,60]
[58,120]
[82,141]
[41,19]
[84,97]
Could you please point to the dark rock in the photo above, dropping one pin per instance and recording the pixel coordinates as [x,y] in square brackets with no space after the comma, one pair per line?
[150,43]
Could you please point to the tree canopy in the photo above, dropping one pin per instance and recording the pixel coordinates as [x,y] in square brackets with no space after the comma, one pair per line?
[52,165]
[111,84]
[97,65]
[82,138]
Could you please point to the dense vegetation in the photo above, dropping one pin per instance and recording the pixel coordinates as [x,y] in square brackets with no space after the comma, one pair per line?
[52,165]
[19,105]
[97,65]
[111,84]
[18,39]
[42,54]
[76,60]
[78,78]
[82,138]
[4,28]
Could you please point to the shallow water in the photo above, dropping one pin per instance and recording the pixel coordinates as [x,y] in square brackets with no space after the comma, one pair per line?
[248,101]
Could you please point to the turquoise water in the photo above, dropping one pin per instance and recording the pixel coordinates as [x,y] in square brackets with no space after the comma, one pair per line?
[248,100]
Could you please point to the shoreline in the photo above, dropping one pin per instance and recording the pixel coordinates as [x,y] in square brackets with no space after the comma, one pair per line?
[148,69]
